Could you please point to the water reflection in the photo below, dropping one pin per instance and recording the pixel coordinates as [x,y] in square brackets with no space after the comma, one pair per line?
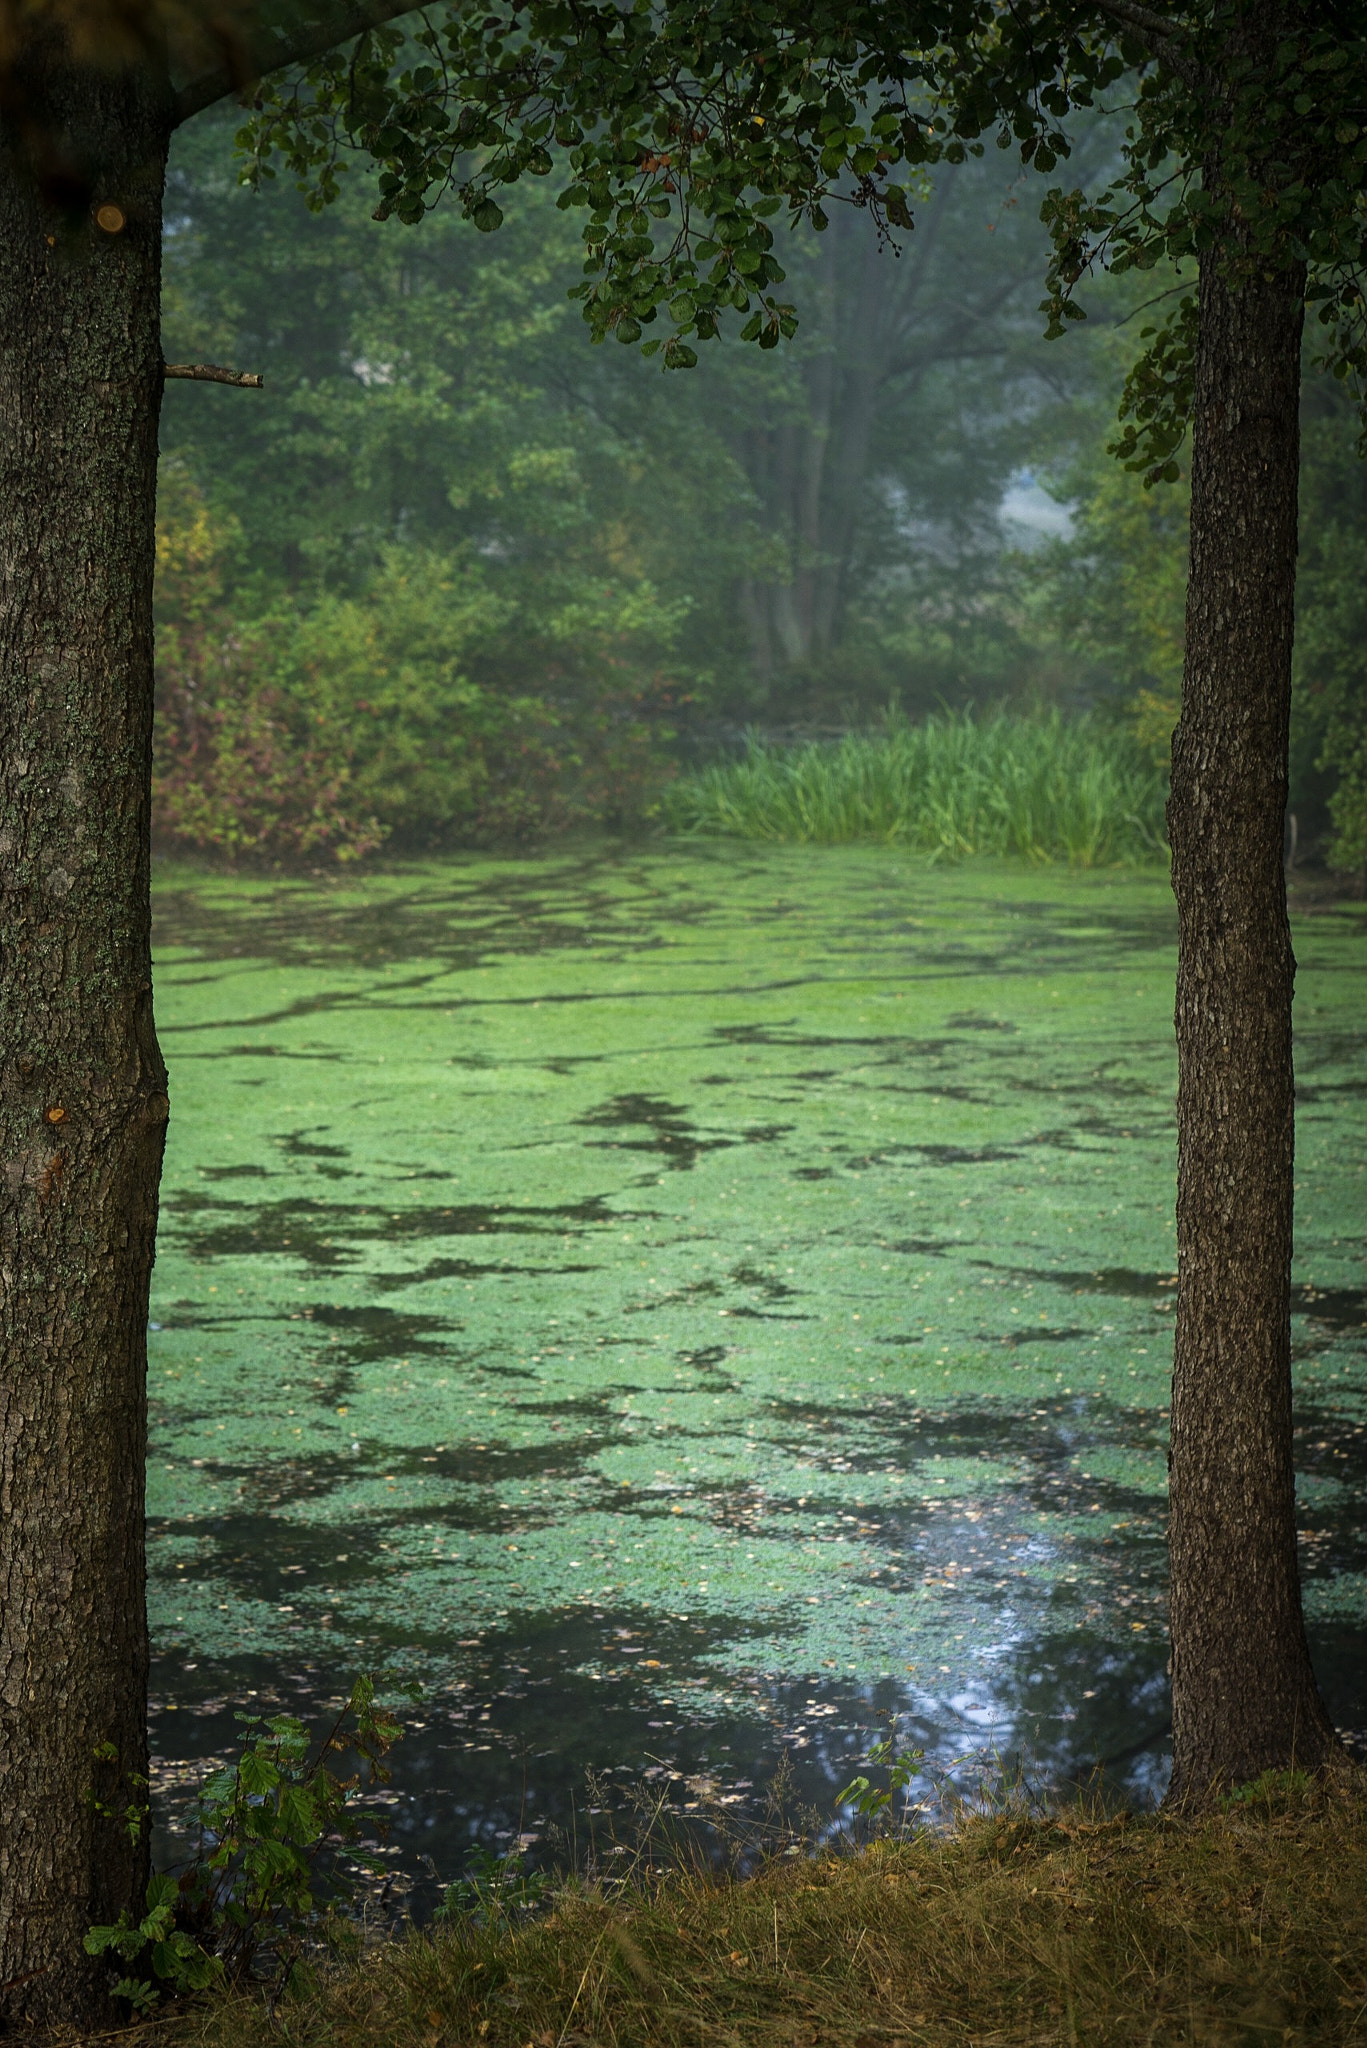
[527,1748]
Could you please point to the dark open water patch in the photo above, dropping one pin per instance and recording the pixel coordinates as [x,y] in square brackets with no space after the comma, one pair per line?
[557,1725]
[554,1736]
[685,1306]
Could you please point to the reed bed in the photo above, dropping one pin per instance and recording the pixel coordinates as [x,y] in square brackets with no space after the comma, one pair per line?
[1045,788]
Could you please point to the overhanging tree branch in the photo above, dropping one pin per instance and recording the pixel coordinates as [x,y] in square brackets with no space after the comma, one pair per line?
[1145,19]
[214,373]
[291,35]
[1163,37]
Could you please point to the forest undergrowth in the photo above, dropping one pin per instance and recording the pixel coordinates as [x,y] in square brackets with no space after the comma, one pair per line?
[1010,1925]
[1041,788]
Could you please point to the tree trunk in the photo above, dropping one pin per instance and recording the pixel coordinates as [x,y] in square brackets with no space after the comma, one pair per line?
[1244,1695]
[83,1102]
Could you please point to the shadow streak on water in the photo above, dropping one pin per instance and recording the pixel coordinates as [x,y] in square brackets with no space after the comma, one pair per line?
[310,1229]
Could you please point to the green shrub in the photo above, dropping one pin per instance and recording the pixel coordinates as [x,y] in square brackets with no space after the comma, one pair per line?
[427,709]
[276,1853]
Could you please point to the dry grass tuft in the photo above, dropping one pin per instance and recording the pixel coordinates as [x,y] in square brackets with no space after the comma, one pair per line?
[1248,1926]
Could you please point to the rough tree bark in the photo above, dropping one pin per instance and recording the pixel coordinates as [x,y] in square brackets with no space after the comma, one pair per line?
[1244,1694]
[83,1102]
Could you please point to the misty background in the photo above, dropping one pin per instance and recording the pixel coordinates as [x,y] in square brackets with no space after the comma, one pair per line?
[458,577]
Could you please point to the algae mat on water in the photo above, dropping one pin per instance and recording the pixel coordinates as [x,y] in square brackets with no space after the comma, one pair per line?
[682,1301]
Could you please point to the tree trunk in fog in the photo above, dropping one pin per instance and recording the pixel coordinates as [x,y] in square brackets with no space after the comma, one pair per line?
[83,1101]
[811,474]
[1244,1695]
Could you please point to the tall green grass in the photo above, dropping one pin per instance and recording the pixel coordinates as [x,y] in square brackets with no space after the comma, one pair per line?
[1043,788]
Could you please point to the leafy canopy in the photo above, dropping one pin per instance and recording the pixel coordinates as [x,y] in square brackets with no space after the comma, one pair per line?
[686,126]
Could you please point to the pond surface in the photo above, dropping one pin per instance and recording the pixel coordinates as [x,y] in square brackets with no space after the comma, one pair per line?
[683,1305]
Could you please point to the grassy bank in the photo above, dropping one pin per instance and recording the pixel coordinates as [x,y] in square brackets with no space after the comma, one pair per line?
[1045,788]
[1249,1927]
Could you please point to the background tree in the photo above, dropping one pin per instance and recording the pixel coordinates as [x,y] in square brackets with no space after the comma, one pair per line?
[457,557]
[460,574]
[839,438]
[435,392]
[1111,598]
[1329,709]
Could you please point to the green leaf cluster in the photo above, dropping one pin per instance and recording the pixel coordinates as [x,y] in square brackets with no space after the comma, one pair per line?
[494,1890]
[277,1853]
[156,1943]
[682,130]
[900,1768]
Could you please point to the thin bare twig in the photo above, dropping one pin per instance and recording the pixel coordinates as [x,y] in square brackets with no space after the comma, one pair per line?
[134,2027]
[214,373]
